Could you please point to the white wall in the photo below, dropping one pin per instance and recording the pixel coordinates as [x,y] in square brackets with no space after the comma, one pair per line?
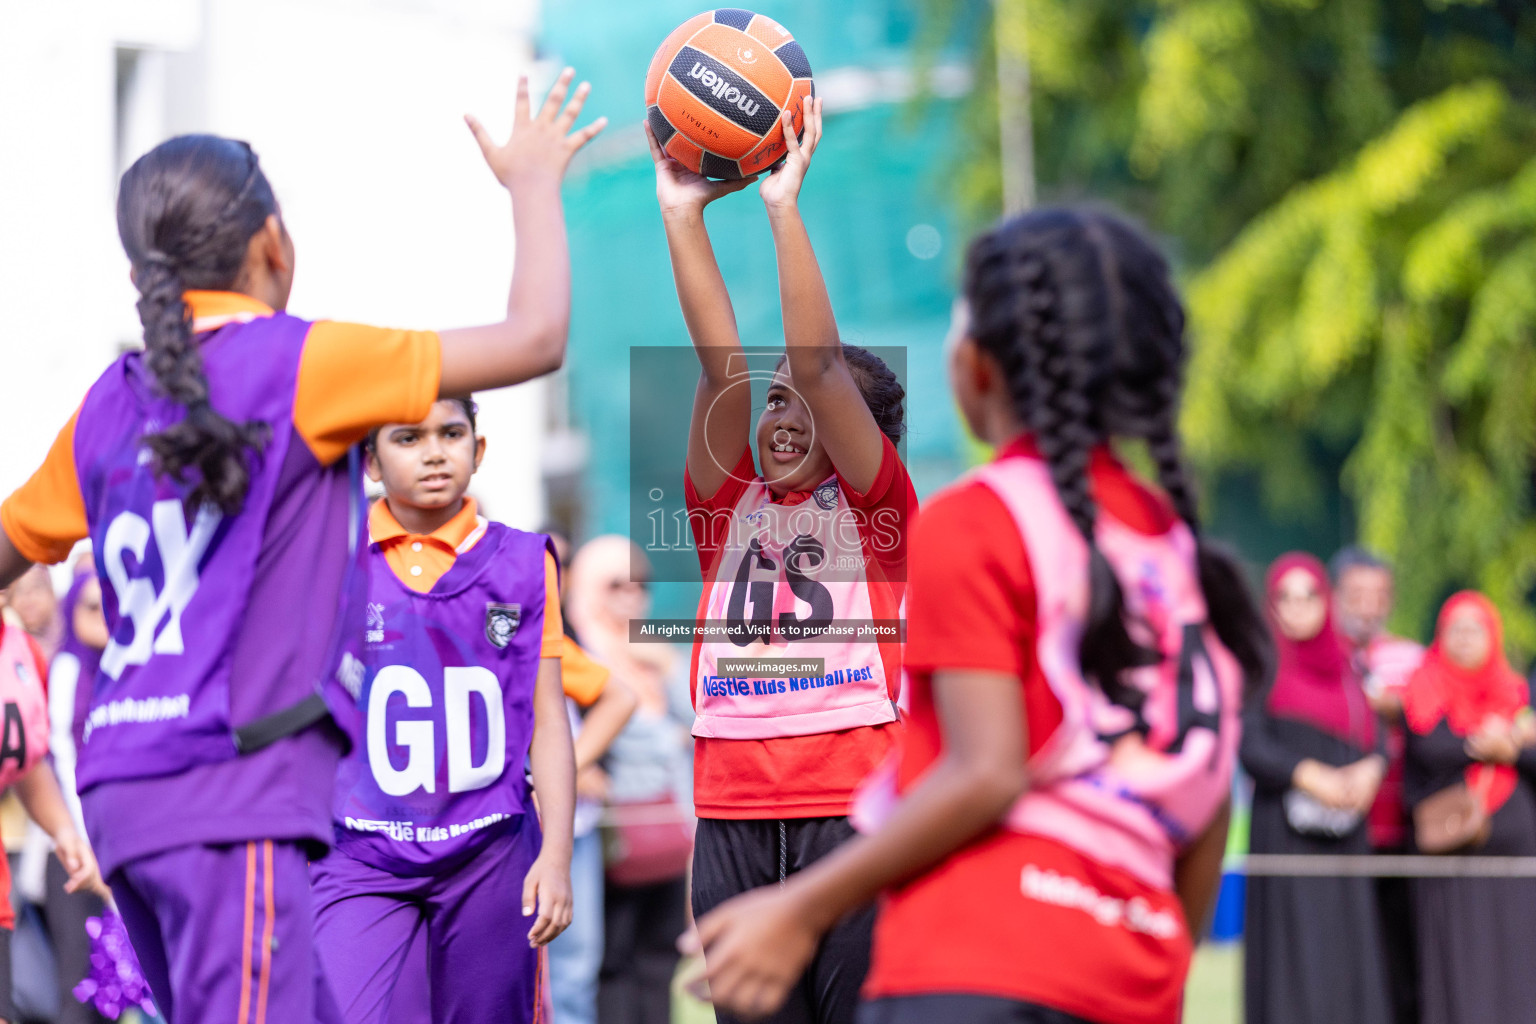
[355,107]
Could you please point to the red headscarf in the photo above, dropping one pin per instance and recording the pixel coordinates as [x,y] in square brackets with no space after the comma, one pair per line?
[1315,681]
[1466,697]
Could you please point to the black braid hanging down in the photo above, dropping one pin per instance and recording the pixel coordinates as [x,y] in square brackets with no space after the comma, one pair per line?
[186,213]
[1080,313]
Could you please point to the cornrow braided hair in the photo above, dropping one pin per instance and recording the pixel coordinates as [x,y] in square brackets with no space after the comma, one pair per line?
[186,212]
[882,392]
[1080,313]
[878,386]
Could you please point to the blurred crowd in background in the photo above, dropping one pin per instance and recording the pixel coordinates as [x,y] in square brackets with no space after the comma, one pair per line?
[1371,743]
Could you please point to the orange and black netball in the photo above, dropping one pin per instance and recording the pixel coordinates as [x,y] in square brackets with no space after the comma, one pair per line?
[717,88]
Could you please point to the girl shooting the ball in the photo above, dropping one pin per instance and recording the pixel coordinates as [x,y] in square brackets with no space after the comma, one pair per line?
[812,534]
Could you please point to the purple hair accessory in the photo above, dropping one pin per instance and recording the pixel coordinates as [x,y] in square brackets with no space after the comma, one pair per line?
[115,981]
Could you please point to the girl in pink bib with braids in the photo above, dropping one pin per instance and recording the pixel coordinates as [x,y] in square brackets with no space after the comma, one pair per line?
[1050,838]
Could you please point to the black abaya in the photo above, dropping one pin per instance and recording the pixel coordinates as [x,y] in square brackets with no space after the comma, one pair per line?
[1477,936]
[1313,951]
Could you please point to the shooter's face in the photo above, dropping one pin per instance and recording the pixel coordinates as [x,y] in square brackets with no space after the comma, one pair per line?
[788,449]
[428,464]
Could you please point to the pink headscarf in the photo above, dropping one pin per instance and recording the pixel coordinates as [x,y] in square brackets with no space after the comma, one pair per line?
[1315,682]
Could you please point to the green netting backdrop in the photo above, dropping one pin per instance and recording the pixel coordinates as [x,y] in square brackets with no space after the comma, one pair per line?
[877,176]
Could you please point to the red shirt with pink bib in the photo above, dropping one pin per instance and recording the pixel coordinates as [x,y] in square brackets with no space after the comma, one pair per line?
[1070,904]
[23,725]
[815,563]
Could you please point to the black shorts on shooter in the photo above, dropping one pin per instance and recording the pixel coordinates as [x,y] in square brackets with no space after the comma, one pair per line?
[732,856]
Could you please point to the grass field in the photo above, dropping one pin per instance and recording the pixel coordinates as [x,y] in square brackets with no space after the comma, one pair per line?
[1214,995]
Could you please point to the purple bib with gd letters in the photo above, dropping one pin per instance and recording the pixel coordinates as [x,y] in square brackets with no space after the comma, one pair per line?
[447,706]
[175,580]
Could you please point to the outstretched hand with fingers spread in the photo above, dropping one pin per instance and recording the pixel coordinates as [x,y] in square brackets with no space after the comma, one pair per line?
[680,190]
[783,186]
[541,146]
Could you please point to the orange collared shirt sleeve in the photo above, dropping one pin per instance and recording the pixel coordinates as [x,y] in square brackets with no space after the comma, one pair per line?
[554,625]
[45,517]
[353,378]
[583,679]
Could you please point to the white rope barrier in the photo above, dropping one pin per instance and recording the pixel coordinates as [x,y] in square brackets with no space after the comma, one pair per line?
[1374,865]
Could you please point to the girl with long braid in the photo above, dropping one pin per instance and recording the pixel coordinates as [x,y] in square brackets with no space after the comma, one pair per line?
[216,474]
[1050,838]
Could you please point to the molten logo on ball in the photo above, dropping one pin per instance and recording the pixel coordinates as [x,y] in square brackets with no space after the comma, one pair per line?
[717,87]
[724,91]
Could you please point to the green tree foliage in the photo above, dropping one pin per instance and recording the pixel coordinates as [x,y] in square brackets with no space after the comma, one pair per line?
[1391,305]
[1350,186]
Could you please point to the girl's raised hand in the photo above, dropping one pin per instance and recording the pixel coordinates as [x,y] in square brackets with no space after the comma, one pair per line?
[541,146]
[782,189]
[680,190]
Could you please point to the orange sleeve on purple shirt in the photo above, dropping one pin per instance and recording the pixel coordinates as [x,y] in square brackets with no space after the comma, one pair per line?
[583,679]
[46,515]
[353,378]
[554,626]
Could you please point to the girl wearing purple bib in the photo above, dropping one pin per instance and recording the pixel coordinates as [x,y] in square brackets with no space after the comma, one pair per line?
[211,472]
[435,822]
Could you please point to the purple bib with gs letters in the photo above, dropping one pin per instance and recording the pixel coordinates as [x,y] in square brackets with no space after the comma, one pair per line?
[447,707]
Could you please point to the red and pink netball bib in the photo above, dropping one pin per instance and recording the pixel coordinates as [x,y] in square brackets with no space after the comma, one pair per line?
[23,707]
[1129,786]
[791,583]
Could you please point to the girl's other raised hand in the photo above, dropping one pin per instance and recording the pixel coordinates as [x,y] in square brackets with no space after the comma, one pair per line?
[681,191]
[782,189]
[541,146]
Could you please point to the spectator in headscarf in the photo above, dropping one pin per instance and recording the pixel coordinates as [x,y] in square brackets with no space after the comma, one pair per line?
[1313,947]
[1470,724]
[648,768]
